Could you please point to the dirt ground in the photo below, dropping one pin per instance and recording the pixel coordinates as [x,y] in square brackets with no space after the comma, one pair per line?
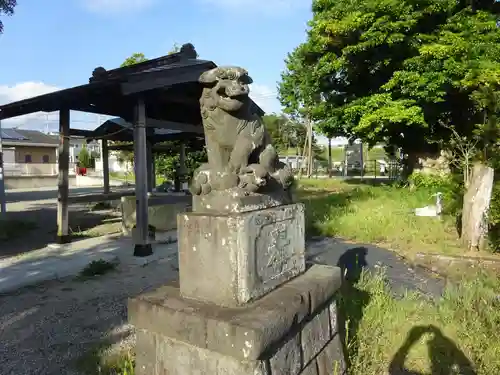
[85,220]
[45,330]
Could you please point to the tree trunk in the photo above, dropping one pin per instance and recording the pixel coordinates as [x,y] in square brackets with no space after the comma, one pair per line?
[475,209]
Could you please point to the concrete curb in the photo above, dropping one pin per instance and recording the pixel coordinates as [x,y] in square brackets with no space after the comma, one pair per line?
[437,262]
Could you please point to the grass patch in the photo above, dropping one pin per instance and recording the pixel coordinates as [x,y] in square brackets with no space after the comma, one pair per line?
[459,334]
[99,362]
[381,214]
[130,177]
[11,229]
[97,268]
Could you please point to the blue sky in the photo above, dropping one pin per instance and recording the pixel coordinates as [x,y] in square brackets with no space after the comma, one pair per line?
[55,44]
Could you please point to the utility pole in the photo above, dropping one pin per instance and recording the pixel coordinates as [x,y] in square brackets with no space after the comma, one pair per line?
[310,155]
[304,150]
[3,206]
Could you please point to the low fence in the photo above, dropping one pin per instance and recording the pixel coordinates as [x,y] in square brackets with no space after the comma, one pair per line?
[34,169]
[371,169]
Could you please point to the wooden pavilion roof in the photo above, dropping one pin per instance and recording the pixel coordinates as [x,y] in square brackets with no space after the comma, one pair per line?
[119,130]
[168,84]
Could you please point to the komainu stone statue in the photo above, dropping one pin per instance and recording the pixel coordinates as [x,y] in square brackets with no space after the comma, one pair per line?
[241,157]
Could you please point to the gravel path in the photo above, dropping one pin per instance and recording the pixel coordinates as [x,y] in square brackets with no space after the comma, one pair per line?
[44,329]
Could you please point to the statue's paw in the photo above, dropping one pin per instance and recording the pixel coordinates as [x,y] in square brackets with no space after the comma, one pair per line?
[258,170]
[206,189]
[284,177]
[252,188]
[227,181]
[200,184]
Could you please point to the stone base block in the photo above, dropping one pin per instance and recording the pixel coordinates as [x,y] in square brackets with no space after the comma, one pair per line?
[292,330]
[237,202]
[231,259]
[162,212]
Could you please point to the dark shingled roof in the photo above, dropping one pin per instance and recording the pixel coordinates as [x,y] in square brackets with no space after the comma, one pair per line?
[168,84]
[32,137]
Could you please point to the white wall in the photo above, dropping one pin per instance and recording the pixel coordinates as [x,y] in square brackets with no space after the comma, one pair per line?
[114,165]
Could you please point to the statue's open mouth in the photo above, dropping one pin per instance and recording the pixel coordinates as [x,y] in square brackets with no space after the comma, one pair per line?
[239,97]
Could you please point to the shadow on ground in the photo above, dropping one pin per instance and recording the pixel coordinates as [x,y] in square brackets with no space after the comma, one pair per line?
[36,227]
[352,301]
[445,357]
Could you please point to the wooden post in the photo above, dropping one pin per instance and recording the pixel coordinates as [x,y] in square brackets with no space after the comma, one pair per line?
[310,154]
[3,205]
[63,178]
[182,166]
[149,165]
[362,159]
[153,170]
[105,164]
[142,246]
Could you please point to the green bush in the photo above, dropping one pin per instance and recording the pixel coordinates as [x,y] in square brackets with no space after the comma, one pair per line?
[451,185]
[494,219]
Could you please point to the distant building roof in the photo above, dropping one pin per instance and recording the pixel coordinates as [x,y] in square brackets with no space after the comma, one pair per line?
[20,137]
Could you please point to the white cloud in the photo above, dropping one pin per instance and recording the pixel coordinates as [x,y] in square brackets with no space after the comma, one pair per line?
[116,6]
[22,91]
[263,6]
[265,97]
[40,120]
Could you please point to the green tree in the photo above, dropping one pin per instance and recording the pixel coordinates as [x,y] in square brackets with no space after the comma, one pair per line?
[84,158]
[135,58]
[286,133]
[7,8]
[399,72]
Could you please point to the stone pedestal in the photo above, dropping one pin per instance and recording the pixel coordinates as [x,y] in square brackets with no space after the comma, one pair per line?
[290,331]
[231,259]
[244,303]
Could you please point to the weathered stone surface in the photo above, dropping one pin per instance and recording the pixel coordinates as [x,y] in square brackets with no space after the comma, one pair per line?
[315,335]
[239,149]
[311,369]
[331,360]
[246,332]
[162,212]
[334,325]
[236,202]
[321,283]
[232,259]
[475,208]
[288,359]
[145,352]
[177,358]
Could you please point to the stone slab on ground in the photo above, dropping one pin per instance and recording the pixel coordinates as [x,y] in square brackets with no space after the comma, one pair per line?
[284,332]
[162,211]
[230,259]
[58,261]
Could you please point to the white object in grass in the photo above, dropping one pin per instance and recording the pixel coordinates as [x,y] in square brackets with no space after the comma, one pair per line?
[432,210]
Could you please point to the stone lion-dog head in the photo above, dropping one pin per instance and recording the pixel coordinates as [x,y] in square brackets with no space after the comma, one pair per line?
[225,88]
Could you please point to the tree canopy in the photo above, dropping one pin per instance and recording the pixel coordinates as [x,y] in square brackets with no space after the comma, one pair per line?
[286,133]
[133,59]
[402,72]
[7,8]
